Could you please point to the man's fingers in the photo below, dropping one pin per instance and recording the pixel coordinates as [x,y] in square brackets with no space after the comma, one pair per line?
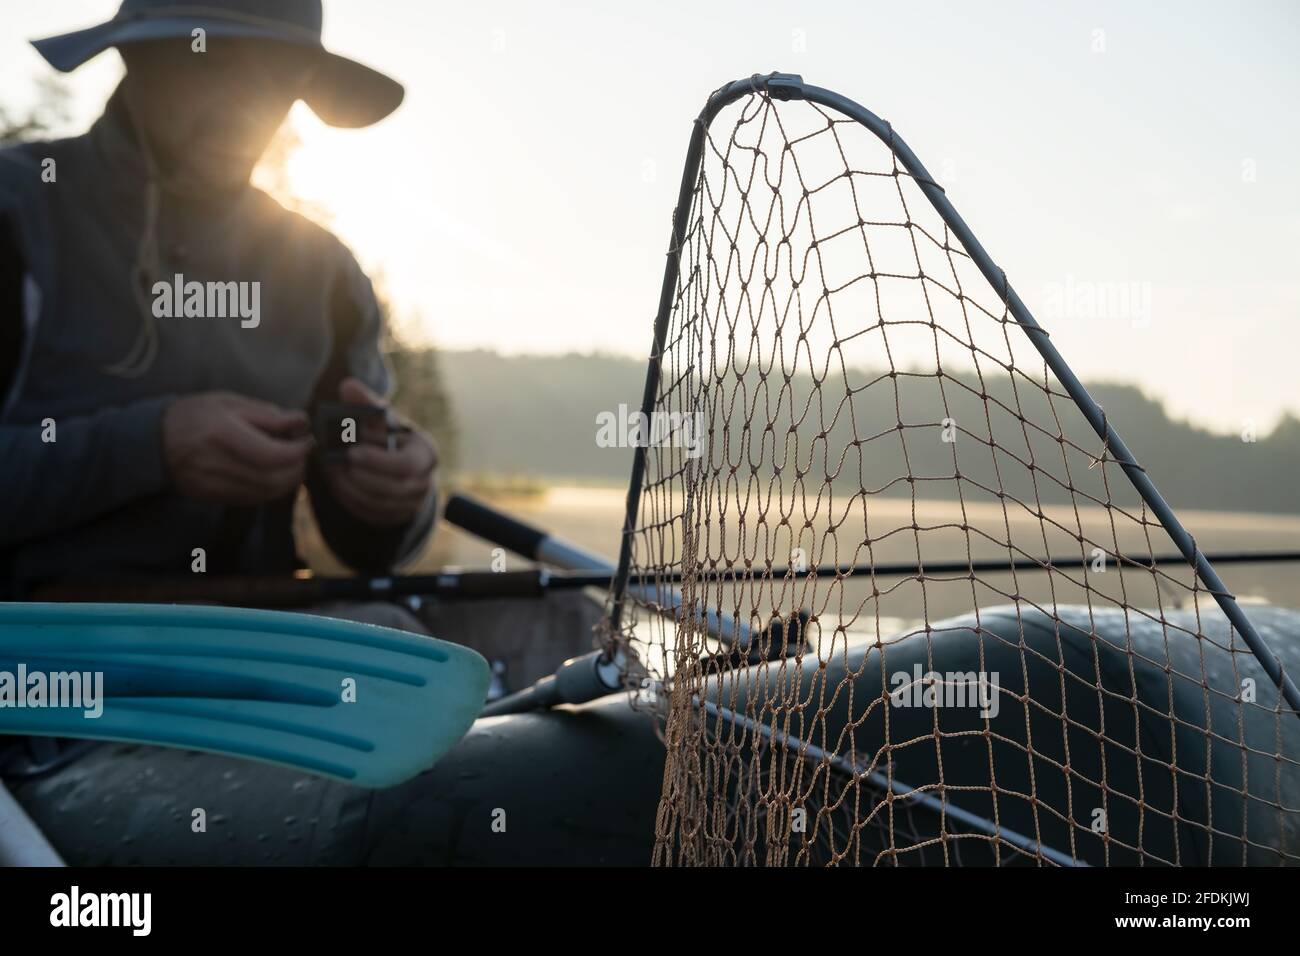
[269,417]
[378,490]
[381,461]
[353,391]
[382,487]
[377,511]
[256,484]
[255,447]
[415,458]
[234,490]
[222,447]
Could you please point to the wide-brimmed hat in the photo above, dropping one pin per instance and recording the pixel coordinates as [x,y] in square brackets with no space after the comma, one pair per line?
[342,92]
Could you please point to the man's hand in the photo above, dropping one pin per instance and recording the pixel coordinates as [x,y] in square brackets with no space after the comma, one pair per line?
[228,449]
[379,485]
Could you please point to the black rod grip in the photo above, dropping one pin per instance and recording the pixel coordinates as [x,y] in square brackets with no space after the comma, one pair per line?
[491,525]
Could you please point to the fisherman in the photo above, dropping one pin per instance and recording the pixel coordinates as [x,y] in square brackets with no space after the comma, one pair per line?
[143,437]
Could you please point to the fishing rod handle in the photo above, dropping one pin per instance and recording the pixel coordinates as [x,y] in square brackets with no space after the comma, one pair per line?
[501,529]
[491,525]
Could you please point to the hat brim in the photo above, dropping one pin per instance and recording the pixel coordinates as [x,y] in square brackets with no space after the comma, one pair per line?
[342,93]
[349,94]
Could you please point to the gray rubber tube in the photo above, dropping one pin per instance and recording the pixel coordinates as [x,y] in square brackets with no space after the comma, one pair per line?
[21,842]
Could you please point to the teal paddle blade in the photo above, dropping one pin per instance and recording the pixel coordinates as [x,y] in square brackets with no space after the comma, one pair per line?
[370,705]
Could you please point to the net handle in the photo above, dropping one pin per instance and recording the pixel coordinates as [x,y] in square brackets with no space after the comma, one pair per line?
[719,99]
[787,86]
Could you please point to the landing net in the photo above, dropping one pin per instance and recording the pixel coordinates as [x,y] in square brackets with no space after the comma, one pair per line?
[840,387]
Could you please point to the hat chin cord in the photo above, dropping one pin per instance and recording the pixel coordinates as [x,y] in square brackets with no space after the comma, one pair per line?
[147,265]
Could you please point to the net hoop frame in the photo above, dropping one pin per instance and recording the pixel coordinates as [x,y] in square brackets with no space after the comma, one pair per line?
[787,86]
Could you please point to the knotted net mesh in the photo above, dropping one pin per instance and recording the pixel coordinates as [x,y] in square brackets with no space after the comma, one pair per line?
[893,600]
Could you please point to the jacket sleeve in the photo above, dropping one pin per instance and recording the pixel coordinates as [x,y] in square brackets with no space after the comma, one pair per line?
[357,321]
[66,472]
[55,472]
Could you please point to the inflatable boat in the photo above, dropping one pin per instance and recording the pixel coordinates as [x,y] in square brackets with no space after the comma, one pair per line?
[891,590]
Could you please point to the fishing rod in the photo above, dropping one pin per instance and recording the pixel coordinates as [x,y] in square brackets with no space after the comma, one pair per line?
[928,569]
[602,671]
[594,675]
[297,590]
[304,589]
[591,675]
[497,527]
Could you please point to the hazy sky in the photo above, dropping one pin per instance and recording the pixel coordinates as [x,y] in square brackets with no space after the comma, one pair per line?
[521,197]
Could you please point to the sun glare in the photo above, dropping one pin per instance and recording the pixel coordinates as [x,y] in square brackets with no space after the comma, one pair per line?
[328,176]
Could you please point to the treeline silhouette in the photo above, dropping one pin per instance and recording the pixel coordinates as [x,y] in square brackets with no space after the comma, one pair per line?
[537,417]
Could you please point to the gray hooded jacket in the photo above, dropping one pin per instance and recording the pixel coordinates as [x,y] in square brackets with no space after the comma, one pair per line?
[97,502]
